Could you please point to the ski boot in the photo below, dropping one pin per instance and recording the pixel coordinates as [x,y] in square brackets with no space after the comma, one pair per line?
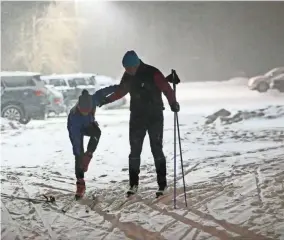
[81,188]
[86,161]
[161,191]
[132,190]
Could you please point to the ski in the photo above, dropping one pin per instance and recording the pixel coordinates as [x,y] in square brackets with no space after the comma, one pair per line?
[89,203]
[69,205]
[128,197]
[47,199]
[159,196]
[92,204]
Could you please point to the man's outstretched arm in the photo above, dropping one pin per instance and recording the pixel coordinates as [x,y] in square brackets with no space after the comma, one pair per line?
[101,94]
[121,91]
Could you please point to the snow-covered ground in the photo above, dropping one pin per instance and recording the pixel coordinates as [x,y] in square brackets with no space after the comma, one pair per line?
[234,174]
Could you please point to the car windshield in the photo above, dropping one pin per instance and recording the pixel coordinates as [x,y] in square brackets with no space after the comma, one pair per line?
[281,77]
[18,81]
[57,82]
[274,72]
[77,81]
[91,80]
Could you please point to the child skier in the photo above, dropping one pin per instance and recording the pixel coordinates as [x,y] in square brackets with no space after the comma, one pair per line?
[81,122]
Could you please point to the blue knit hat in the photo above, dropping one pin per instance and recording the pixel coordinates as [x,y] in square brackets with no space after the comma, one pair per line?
[130,59]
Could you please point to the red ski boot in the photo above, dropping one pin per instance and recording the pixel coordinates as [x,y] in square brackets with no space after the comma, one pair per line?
[81,188]
[86,161]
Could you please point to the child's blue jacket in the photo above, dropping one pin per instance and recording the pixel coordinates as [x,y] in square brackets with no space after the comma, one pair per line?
[76,122]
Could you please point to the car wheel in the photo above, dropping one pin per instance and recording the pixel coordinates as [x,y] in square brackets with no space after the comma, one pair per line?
[262,87]
[13,112]
[25,120]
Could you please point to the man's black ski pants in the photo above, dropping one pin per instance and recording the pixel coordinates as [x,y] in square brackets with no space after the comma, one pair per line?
[139,124]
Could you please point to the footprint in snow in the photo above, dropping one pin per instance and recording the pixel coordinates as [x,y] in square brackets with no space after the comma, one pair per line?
[104,175]
[56,173]
[144,177]
[143,167]
[19,174]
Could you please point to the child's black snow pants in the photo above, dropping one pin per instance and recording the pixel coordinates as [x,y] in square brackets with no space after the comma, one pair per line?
[139,124]
[93,131]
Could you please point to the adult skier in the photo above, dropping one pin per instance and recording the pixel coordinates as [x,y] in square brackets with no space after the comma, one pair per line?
[81,122]
[145,84]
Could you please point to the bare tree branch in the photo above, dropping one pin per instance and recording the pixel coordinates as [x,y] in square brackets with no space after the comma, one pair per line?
[50,44]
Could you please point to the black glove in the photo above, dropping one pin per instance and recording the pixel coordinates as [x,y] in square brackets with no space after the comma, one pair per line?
[175,107]
[104,102]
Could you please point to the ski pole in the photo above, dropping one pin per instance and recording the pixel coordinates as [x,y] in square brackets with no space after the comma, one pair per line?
[175,151]
[176,129]
[181,159]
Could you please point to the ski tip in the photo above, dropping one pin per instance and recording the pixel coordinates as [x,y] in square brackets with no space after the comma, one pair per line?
[129,195]
[50,199]
[159,195]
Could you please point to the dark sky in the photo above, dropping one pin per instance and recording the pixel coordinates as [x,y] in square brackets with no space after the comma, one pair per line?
[201,40]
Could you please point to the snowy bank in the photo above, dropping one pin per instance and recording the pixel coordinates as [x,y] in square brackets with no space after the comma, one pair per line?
[7,125]
[226,117]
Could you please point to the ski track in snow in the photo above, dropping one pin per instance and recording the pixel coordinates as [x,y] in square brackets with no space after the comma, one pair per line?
[234,176]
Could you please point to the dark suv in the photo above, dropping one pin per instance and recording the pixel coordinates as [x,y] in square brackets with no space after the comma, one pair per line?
[23,96]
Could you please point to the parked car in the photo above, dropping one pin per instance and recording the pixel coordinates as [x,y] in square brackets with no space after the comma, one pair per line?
[23,96]
[71,85]
[262,83]
[278,83]
[259,83]
[55,101]
[71,81]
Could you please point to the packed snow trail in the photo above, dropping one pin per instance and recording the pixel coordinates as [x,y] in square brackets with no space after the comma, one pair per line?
[234,176]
